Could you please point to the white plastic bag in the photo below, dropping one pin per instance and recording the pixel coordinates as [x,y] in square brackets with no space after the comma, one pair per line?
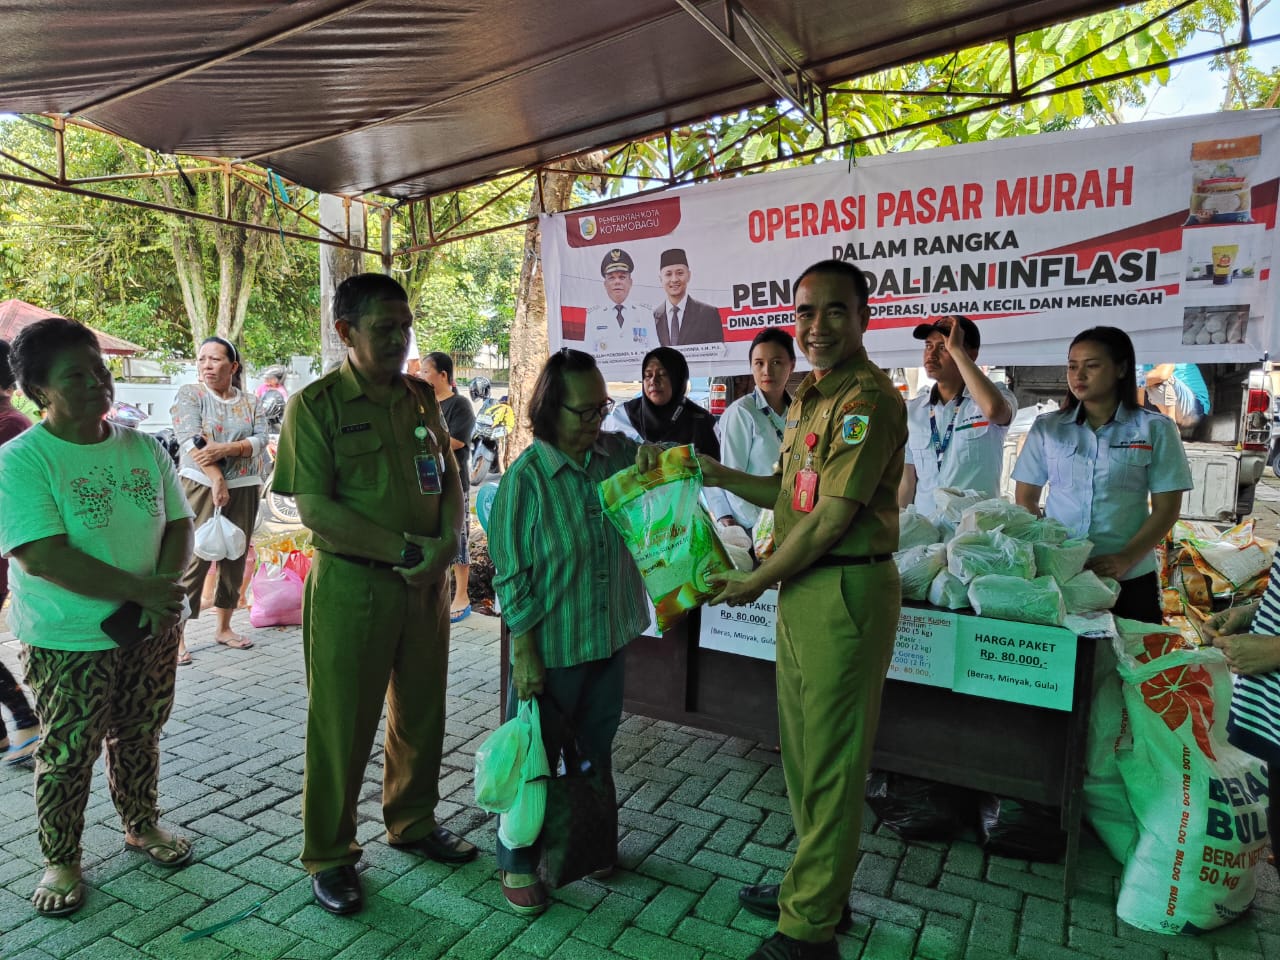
[219,539]
[917,567]
[500,765]
[1045,530]
[522,822]
[1062,561]
[1012,598]
[948,590]
[996,514]
[1106,803]
[915,529]
[952,503]
[1087,591]
[978,553]
[1201,804]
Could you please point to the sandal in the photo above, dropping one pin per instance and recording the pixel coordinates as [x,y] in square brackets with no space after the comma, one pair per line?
[239,643]
[155,849]
[72,896]
[185,660]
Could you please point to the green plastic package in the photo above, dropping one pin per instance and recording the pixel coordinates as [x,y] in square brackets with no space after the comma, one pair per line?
[667,532]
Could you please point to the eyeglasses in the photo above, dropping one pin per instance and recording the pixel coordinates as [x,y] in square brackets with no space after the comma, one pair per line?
[591,414]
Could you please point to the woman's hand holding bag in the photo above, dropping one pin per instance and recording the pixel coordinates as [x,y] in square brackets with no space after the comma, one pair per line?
[219,539]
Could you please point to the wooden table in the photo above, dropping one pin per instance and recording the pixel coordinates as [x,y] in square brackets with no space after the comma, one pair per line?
[1010,749]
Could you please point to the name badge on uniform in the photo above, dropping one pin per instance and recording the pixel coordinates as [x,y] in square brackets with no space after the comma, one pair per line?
[429,473]
[804,492]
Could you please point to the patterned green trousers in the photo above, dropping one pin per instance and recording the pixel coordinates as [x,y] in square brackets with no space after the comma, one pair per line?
[119,697]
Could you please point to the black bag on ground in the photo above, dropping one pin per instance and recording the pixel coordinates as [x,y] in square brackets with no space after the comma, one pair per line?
[1021,829]
[919,809]
[580,828]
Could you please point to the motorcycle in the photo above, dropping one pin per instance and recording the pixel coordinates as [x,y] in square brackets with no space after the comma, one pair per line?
[279,507]
[127,415]
[486,446]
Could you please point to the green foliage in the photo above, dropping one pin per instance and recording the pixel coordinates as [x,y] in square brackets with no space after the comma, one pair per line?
[116,267]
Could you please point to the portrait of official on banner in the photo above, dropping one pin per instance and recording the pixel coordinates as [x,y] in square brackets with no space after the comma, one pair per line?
[1163,228]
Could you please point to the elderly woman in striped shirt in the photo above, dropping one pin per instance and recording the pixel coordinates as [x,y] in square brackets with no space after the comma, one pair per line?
[1249,636]
[570,592]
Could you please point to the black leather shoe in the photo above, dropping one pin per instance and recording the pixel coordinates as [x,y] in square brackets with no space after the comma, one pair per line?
[762,900]
[782,947]
[443,846]
[338,889]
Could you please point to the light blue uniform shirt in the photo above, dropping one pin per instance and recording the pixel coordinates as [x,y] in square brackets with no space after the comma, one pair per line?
[750,436]
[1100,483]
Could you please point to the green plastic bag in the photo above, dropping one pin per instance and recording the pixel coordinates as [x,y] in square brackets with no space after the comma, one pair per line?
[521,824]
[667,532]
[500,765]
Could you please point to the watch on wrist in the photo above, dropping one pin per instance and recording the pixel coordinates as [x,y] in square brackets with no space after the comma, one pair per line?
[411,555]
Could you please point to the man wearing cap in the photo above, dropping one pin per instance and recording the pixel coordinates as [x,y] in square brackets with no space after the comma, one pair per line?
[681,319]
[955,432]
[618,326]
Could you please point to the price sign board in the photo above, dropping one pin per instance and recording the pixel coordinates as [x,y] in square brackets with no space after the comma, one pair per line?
[748,630]
[998,659]
[1021,662]
[924,650]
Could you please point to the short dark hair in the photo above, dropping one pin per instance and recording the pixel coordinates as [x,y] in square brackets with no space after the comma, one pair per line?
[549,392]
[36,347]
[1120,347]
[837,268]
[7,381]
[441,361]
[355,294]
[774,335]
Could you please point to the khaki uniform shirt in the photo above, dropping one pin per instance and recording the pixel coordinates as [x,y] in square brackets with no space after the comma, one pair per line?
[860,421]
[338,443]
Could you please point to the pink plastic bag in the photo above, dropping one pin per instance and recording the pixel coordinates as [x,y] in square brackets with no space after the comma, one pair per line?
[277,597]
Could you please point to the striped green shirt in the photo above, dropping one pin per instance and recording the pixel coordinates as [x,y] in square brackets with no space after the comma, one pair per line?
[562,570]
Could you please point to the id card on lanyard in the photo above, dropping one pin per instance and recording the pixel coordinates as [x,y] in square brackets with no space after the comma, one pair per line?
[804,492]
[428,464]
[940,445]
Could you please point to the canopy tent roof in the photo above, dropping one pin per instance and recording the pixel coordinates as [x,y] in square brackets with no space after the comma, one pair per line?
[411,99]
[16,314]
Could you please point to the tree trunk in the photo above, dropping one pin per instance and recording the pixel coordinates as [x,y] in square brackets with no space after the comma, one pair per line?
[529,341]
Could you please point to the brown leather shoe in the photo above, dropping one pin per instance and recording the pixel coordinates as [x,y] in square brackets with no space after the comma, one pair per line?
[525,893]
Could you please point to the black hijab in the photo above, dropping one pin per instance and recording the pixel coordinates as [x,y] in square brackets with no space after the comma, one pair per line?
[679,420]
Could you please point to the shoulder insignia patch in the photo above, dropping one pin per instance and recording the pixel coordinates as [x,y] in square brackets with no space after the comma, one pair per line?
[854,429]
[853,405]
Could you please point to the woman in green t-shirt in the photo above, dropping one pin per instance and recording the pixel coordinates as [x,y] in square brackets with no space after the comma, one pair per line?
[100,531]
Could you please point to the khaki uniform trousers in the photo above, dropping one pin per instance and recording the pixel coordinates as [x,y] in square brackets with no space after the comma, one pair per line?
[836,627]
[369,637]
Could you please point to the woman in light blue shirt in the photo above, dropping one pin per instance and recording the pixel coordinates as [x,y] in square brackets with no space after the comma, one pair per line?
[750,430]
[1116,472]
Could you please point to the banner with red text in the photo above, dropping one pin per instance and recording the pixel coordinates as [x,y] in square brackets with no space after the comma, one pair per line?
[1164,228]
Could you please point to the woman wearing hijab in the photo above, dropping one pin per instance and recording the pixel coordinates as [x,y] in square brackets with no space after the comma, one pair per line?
[662,413]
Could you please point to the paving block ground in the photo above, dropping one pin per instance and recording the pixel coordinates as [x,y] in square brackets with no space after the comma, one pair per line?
[701,814]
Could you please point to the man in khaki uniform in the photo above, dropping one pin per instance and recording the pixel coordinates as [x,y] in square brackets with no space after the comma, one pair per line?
[839,600]
[365,452]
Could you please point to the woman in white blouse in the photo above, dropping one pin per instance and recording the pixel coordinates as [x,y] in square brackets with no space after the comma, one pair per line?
[750,430]
[223,434]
